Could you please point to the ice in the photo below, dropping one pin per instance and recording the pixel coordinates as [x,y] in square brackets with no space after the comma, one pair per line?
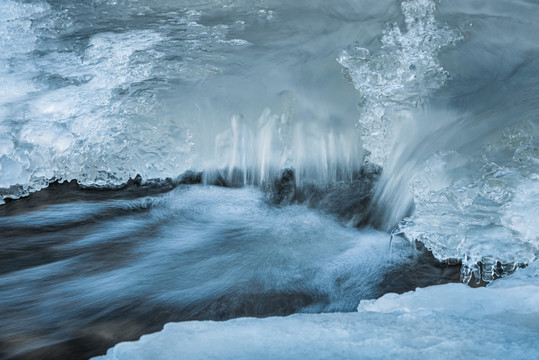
[102,91]
[461,174]
[86,107]
[399,76]
[151,89]
[445,321]
[480,209]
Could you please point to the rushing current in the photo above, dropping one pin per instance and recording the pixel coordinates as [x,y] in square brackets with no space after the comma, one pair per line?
[165,161]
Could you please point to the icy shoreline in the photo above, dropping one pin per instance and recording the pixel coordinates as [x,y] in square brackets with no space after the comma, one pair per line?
[443,321]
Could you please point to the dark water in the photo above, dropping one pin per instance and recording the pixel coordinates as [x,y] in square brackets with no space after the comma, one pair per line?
[83,269]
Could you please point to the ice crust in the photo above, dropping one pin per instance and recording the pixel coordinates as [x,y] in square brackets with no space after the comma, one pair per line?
[104,91]
[81,103]
[445,321]
[482,210]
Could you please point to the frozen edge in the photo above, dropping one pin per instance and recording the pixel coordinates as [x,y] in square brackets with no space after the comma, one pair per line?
[443,321]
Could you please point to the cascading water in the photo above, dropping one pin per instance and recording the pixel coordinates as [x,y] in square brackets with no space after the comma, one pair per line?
[317,122]
[470,164]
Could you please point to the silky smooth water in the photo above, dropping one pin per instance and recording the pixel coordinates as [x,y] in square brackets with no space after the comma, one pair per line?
[82,269]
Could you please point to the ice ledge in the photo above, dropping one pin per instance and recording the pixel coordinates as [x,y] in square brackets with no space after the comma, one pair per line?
[445,321]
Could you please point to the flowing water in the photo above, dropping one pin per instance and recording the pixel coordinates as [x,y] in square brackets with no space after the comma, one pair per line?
[176,160]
